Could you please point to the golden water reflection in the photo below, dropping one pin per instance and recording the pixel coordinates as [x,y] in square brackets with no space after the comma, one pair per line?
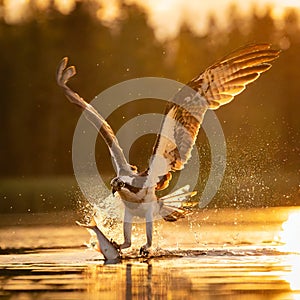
[204,277]
[237,256]
[188,279]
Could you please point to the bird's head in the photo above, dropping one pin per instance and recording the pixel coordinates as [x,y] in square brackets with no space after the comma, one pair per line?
[116,184]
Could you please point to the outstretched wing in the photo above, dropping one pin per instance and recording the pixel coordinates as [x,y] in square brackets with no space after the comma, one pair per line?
[216,86]
[62,76]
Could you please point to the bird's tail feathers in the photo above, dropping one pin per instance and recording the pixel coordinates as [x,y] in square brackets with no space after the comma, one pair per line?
[172,214]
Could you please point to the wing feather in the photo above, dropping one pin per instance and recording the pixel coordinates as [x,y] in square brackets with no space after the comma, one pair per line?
[216,86]
[63,75]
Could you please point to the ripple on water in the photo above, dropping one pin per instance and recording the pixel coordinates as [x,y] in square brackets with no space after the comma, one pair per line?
[167,273]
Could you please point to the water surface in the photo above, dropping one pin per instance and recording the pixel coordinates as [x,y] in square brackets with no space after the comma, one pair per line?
[216,254]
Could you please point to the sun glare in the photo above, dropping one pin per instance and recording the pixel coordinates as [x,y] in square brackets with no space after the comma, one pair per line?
[290,239]
[293,275]
[290,234]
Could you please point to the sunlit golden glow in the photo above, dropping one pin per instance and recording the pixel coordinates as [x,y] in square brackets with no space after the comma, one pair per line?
[166,16]
[64,6]
[280,7]
[290,239]
[14,10]
[42,4]
[108,11]
[290,234]
[291,3]
[293,275]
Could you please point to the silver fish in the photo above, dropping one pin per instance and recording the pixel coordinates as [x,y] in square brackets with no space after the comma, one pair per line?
[108,248]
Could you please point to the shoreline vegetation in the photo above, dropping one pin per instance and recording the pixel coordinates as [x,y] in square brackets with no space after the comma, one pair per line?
[61,193]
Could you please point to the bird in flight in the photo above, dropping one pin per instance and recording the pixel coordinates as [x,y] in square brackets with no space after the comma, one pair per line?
[214,87]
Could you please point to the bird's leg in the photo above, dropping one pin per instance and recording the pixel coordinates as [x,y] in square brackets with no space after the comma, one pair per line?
[127,226]
[149,231]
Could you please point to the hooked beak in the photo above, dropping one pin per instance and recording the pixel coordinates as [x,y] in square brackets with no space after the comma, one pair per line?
[116,185]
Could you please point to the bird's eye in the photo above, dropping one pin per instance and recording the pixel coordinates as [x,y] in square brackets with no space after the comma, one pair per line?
[117,183]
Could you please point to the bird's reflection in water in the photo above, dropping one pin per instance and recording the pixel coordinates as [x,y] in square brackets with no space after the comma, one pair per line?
[128,282]
[146,286]
[194,277]
[136,280]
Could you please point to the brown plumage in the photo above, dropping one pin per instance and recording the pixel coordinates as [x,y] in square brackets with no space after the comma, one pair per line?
[216,86]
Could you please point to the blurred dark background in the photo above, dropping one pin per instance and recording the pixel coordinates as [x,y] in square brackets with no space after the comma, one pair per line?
[261,126]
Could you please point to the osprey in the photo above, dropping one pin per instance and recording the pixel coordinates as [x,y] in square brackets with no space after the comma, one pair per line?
[214,87]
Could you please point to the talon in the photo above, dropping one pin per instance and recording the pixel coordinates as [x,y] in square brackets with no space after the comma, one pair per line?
[144,251]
